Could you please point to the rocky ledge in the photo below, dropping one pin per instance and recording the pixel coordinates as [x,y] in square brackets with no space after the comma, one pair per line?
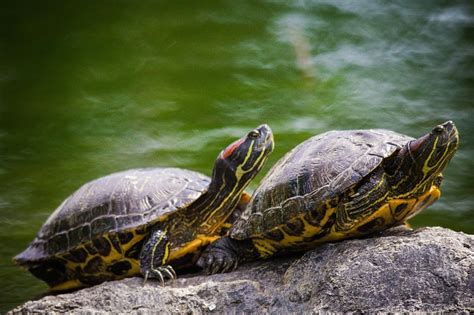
[429,269]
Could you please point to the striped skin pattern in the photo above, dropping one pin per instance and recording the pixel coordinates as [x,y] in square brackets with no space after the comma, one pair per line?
[334,186]
[305,232]
[137,221]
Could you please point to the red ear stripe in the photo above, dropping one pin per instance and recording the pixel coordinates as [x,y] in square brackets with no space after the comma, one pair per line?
[416,144]
[228,151]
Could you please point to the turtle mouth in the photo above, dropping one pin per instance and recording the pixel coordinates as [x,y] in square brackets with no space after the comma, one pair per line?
[448,133]
[445,141]
[448,139]
[453,137]
[267,142]
[267,137]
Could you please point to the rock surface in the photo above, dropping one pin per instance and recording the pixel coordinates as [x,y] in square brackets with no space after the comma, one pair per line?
[429,269]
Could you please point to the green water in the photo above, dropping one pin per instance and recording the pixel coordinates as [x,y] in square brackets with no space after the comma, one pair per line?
[93,87]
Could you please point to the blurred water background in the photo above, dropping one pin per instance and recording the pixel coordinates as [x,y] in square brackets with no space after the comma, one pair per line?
[93,87]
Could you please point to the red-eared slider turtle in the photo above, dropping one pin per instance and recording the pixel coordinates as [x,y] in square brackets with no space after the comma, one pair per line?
[143,221]
[334,186]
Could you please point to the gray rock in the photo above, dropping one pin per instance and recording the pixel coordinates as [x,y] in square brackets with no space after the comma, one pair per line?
[429,269]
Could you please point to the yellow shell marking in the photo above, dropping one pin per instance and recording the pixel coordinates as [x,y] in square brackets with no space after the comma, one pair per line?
[385,214]
[115,256]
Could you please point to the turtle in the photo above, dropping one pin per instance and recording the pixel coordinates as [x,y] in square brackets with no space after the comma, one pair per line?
[143,221]
[338,185]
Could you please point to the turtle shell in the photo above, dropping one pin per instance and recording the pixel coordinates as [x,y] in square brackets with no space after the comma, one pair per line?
[131,199]
[315,171]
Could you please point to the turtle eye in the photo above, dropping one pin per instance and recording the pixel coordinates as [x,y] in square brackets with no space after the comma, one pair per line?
[438,129]
[254,134]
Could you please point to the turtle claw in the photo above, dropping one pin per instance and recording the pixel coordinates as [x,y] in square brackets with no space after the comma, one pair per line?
[145,277]
[170,269]
[205,263]
[167,272]
[216,267]
[161,273]
[229,266]
[236,264]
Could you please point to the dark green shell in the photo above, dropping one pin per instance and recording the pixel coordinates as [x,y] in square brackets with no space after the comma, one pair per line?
[318,169]
[126,200]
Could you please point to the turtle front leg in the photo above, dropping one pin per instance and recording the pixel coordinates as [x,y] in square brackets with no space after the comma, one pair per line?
[226,254]
[153,257]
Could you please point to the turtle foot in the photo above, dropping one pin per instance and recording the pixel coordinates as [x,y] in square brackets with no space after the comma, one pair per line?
[217,261]
[219,257]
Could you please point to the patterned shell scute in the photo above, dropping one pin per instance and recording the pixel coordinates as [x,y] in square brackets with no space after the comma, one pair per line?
[321,167]
[116,202]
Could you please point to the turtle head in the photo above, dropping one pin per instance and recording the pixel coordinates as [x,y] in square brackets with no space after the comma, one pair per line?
[233,170]
[241,160]
[418,165]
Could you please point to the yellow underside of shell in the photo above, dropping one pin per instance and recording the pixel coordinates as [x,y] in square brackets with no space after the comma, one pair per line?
[115,256]
[383,217]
